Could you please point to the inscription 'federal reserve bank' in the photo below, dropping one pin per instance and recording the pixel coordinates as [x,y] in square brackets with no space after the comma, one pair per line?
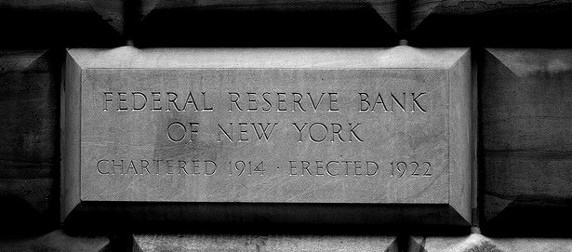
[260,101]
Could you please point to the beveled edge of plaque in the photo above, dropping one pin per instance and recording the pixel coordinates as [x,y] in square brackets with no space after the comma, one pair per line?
[456,60]
[70,124]
[462,136]
[398,57]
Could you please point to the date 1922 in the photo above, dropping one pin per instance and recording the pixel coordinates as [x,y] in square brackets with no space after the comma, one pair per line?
[414,169]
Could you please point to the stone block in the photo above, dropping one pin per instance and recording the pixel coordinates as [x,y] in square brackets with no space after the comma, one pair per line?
[347,136]
[267,23]
[56,241]
[492,23]
[471,243]
[29,150]
[149,243]
[526,133]
[59,23]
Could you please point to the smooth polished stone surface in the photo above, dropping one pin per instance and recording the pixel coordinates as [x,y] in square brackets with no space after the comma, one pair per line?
[526,140]
[267,23]
[492,23]
[59,23]
[149,243]
[349,126]
[29,137]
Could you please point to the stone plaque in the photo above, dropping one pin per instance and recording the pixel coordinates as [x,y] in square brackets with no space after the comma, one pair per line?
[327,126]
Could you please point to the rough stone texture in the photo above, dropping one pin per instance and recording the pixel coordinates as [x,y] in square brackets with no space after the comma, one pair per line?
[435,146]
[534,244]
[150,243]
[496,23]
[56,241]
[472,243]
[480,243]
[526,132]
[267,23]
[41,23]
[28,140]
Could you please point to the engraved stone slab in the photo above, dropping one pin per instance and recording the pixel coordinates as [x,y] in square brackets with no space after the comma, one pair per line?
[527,140]
[357,126]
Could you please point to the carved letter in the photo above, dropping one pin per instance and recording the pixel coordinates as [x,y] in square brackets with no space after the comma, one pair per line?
[252,101]
[156,99]
[333,101]
[415,102]
[363,99]
[368,173]
[242,132]
[379,99]
[182,165]
[132,166]
[196,167]
[145,166]
[170,167]
[328,168]
[337,131]
[292,168]
[205,107]
[206,169]
[263,130]
[122,101]
[135,94]
[315,105]
[99,169]
[170,130]
[106,99]
[297,99]
[353,133]
[117,165]
[172,99]
[357,167]
[235,100]
[281,101]
[395,100]
[305,165]
[191,100]
[300,130]
[312,135]
[319,168]
[267,102]
[226,133]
